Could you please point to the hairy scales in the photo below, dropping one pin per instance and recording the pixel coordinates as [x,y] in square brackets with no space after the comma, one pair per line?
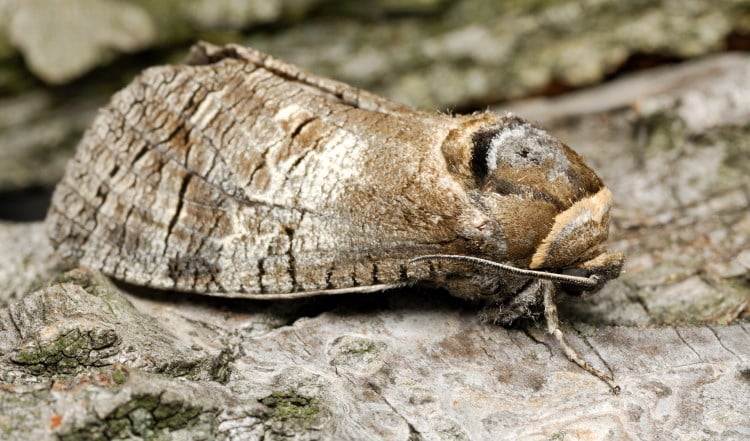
[228,177]
[241,175]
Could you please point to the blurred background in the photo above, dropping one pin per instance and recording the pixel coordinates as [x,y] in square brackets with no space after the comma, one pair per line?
[60,60]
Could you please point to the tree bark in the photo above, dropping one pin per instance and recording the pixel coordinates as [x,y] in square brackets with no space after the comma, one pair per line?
[82,358]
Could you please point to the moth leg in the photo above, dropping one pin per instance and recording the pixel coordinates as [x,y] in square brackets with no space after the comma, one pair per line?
[524,303]
[550,314]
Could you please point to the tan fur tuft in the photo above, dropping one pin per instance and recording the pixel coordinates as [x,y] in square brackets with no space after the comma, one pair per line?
[581,227]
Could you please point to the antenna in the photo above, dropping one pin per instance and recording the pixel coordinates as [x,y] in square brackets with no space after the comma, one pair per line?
[585,282]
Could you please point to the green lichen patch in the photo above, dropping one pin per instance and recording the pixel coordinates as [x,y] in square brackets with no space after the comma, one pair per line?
[146,416]
[353,350]
[732,142]
[359,348]
[221,366]
[558,436]
[663,130]
[119,376]
[737,141]
[66,349]
[292,408]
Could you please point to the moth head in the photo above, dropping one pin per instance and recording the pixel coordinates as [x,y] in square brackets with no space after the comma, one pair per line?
[574,245]
[534,203]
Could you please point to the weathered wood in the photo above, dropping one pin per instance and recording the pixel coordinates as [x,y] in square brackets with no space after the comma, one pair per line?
[418,365]
[404,365]
[27,261]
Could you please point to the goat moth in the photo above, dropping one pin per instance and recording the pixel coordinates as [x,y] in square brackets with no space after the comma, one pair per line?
[241,175]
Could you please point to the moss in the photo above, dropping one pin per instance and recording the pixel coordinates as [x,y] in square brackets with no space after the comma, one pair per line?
[148,402]
[145,416]
[182,417]
[167,410]
[559,436]
[726,309]
[361,347]
[82,435]
[220,367]
[182,368]
[67,351]
[119,377]
[737,141]
[291,408]
[352,350]
[118,427]
[664,131]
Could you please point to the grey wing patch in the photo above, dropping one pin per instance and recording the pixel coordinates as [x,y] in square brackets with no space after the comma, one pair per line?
[216,179]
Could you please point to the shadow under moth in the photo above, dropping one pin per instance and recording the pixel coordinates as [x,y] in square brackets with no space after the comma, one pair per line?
[240,175]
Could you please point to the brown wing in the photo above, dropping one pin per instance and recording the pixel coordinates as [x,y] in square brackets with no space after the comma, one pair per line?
[243,174]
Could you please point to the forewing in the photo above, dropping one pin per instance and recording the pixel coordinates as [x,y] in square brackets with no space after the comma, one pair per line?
[245,175]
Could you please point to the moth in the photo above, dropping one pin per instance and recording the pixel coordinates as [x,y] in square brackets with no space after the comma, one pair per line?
[240,175]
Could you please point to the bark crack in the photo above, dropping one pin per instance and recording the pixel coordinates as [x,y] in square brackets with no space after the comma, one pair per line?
[261,273]
[178,209]
[304,345]
[414,434]
[721,343]
[291,268]
[598,355]
[538,341]
[15,324]
[685,342]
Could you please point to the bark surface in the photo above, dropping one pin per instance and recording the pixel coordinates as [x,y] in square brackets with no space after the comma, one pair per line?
[82,358]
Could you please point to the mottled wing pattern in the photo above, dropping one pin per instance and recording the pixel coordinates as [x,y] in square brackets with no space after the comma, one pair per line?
[242,174]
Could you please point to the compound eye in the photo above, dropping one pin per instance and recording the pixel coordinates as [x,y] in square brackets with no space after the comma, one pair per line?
[578,272]
[570,288]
